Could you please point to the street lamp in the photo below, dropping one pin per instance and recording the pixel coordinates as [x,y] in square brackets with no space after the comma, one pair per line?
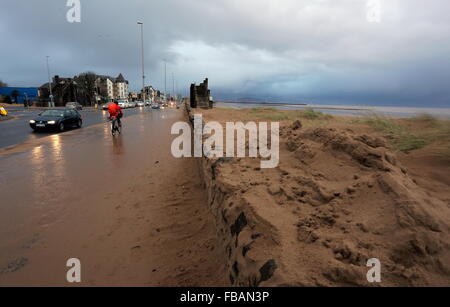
[165,80]
[51,103]
[143,69]
[26,100]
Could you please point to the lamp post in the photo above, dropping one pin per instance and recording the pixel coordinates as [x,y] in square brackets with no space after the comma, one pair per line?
[26,100]
[165,81]
[51,103]
[143,69]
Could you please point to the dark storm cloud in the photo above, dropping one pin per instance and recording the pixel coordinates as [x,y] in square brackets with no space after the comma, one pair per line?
[289,50]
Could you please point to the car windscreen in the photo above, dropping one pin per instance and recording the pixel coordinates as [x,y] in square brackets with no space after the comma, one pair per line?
[53,113]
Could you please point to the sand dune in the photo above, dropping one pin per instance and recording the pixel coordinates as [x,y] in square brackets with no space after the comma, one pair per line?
[340,196]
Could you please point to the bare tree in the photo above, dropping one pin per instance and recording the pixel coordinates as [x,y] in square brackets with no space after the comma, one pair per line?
[3,84]
[86,83]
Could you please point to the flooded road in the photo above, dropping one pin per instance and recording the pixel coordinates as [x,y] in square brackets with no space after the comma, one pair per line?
[131,213]
[17,130]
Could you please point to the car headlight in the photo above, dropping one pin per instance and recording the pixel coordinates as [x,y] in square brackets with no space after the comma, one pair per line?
[52,122]
[32,121]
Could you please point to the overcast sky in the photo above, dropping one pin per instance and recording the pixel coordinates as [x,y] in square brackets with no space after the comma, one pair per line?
[322,51]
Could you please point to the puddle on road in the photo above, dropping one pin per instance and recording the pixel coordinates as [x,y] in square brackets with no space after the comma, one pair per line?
[44,181]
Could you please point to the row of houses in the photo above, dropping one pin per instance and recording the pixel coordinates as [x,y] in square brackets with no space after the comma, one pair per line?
[112,88]
[87,89]
[151,94]
[158,96]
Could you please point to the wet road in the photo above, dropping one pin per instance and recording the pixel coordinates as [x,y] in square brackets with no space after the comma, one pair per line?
[16,131]
[132,213]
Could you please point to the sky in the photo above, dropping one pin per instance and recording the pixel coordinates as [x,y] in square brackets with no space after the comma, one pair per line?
[313,51]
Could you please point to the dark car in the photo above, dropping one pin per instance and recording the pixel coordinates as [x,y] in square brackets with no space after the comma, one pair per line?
[57,119]
[74,105]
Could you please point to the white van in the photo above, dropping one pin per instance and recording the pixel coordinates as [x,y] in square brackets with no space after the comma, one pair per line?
[123,103]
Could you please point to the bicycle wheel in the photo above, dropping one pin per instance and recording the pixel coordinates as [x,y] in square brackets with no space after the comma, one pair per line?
[113,127]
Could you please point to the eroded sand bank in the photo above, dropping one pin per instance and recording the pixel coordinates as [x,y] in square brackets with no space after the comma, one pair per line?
[340,196]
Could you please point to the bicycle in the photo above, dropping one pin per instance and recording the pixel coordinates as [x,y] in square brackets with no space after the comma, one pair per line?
[115,128]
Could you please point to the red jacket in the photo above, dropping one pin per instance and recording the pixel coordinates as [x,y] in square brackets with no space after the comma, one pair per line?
[114,110]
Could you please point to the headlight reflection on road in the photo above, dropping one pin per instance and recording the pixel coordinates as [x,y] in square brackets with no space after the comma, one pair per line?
[58,165]
[56,145]
[107,130]
[38,171]
[36,155]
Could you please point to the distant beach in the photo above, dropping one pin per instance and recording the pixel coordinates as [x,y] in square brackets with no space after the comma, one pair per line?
[344,110]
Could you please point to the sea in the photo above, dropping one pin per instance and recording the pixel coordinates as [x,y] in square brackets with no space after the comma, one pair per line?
[350,110]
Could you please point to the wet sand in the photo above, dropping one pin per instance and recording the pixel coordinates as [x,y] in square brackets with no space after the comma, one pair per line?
[132,213]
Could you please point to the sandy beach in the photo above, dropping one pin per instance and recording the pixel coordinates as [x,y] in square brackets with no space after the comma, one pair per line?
[344,192]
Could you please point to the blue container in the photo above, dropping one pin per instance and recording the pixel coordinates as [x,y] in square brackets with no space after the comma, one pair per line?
[23,93]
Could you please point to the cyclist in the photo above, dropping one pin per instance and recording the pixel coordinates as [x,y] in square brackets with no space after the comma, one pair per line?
[115,111]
